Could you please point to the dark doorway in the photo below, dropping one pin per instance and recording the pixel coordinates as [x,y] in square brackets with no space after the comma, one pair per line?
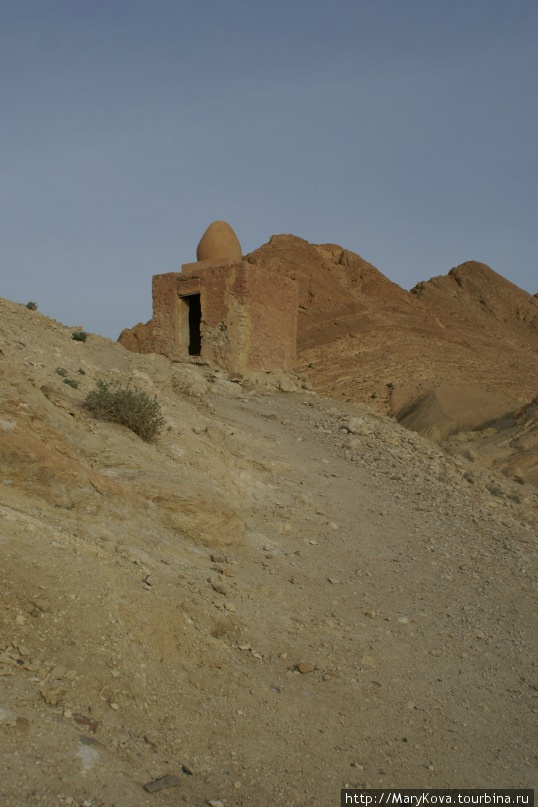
[195,319]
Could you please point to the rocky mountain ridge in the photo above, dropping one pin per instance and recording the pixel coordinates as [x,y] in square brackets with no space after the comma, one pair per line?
[457,354]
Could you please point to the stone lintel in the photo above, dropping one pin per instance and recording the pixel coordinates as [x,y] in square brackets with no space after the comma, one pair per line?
[187,285]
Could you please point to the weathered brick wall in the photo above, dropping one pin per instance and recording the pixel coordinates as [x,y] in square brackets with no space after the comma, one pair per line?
[249,317]
[165,314]
[272,303]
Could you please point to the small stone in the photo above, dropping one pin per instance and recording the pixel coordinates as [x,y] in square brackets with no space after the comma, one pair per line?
[229,606]
[221,588]
[59,671]
[368,661]
[370,613]
[358,426]
[114,706]
[333,525]
[84,720]
[42,604]
[215,803]
[333,580]
[216,557]
[162,783]
[306,667]
[403,620]
[52,694]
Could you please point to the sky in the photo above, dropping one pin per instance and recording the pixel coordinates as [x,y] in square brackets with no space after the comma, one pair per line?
[403,130]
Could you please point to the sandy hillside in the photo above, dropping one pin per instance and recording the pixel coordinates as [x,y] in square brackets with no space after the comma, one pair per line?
[284,595]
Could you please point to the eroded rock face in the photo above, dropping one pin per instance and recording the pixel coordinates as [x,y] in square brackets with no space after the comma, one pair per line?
[219,241]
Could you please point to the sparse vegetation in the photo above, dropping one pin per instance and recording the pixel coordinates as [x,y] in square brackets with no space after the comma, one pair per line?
[71,382]
[79,336]
[32,306]
[61,371]
[80,371]
[130,407]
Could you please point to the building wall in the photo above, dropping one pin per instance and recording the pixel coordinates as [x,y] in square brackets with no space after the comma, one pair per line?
[249,317]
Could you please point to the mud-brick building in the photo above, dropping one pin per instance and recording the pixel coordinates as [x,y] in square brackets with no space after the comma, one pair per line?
[228,312]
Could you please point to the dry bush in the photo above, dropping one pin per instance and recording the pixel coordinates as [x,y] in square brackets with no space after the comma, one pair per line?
[130,407]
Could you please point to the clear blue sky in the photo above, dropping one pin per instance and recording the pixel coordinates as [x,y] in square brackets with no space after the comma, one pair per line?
[404,130]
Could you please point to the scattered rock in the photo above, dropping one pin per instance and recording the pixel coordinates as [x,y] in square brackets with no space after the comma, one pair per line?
[84,720]
[53,695]
[358,425]
[163,782]
[306,667]
[42,604]
[221,588]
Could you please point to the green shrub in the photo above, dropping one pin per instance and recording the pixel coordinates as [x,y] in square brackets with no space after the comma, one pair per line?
[79,336]
[130,407]
[32,306]
[71,382]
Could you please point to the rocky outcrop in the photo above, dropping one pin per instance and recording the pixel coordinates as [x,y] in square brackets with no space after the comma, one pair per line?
[457,352]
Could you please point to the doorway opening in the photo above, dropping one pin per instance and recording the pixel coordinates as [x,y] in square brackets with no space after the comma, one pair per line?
[195,319]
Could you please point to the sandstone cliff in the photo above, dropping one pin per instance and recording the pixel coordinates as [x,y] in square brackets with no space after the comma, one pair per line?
[455,354]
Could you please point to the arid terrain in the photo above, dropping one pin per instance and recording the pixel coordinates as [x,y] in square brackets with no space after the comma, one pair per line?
[455,357]
[287,593]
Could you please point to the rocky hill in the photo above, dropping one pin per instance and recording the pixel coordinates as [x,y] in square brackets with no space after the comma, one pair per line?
[286,593]
[457,354]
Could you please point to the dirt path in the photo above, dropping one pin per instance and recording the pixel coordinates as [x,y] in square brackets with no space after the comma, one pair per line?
[400,580]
